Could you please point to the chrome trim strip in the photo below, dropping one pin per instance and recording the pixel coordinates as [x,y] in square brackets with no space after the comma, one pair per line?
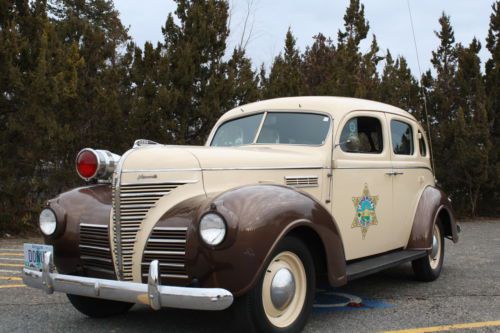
[94,247]
[165,264]
[103,226]
[266,168]
[180,253]
[178,276]
[143,195]
[85,257]
[170,228]
[177,241]
[166,182]
[124,291]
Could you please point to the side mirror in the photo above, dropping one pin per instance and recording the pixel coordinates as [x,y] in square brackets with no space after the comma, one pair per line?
[352,144]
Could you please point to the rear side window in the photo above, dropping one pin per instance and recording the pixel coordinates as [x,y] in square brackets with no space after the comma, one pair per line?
[362,135]
[402,138]
[421,144]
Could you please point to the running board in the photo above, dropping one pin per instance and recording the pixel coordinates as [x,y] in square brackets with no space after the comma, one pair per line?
[376,264]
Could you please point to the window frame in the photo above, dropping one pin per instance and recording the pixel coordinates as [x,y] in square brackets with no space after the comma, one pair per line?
[381,123]
[424,141]
[265,112]
[212,138]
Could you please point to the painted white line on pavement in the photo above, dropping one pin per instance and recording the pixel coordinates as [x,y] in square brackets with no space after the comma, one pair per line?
[10,271]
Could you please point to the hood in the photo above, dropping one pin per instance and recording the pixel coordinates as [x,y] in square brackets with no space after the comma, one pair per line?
[158,157]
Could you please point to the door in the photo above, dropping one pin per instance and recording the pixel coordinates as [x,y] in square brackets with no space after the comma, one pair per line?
[412,171]
[362,199]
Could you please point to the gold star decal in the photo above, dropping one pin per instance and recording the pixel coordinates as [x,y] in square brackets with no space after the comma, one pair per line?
[365,211]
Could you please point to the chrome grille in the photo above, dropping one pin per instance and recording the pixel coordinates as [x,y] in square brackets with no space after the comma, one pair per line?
[168,246]
[134,202]
[302,181]
[94,248]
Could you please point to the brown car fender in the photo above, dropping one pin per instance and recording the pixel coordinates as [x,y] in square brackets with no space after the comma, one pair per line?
[258,217]
[90,204]
[433,204]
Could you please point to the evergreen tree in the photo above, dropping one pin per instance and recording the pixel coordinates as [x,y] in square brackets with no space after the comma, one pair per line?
[348,57]
[318,66]
[471,145]
[493,94]
[285,78]
[442,95]
[398,87]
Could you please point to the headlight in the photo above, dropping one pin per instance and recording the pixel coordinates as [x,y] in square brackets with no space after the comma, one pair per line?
[48,222]
[212,229]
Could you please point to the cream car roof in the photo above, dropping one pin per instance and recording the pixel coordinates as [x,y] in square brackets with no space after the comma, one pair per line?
[337,107]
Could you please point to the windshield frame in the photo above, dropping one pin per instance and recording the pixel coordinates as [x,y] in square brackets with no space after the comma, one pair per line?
[259,128]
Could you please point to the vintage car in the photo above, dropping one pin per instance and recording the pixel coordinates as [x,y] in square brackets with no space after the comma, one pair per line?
[286,193]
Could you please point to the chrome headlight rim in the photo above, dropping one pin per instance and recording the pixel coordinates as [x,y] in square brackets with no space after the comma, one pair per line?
[224,224]
[48,231]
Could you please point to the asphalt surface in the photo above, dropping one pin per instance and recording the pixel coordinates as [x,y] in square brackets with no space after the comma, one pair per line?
[468,292]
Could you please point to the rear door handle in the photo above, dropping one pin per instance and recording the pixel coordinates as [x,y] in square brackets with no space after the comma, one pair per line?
[394,173]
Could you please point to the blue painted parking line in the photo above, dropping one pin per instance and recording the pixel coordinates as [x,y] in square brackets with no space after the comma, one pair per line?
[331,300]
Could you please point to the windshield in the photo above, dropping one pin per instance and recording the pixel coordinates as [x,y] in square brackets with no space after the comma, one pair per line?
[278,128]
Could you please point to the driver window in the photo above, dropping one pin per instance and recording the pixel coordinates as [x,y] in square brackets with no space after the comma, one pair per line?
[362,135]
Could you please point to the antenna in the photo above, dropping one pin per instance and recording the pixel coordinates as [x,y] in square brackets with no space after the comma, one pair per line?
[431,150]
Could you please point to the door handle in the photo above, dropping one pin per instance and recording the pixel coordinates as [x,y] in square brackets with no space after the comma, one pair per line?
[394,173]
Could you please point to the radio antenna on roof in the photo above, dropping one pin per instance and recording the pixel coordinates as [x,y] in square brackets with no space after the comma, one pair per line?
[424,95]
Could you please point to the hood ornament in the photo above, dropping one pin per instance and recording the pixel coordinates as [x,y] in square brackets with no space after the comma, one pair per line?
[144,142]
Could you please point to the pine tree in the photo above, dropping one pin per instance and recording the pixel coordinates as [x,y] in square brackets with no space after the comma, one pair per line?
[398,87]
[493,94]
[195,70]
[442,95]
[471,174]
[348,57]
[317,70]
[285,78]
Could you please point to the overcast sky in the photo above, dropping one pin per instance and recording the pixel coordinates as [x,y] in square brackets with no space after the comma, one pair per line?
[389,21]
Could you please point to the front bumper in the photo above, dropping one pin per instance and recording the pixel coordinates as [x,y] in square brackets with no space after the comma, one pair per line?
[153,294]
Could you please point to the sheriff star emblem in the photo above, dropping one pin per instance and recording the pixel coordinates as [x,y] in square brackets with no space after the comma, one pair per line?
[365,211]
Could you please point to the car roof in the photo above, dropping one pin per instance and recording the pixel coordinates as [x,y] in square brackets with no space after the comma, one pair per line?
[335,106]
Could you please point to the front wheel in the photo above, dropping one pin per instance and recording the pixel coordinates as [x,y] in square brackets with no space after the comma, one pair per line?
[429,268]
[283,297]
[98,308]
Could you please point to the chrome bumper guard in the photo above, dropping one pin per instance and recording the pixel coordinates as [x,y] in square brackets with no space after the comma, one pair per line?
[153,294]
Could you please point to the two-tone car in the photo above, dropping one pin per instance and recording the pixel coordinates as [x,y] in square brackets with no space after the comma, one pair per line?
[286,193]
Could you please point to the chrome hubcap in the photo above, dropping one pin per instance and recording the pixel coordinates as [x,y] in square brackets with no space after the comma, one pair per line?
[282,288]
[435,246]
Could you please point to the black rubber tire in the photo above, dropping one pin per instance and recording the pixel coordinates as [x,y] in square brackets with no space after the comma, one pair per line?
[248,310]
[98,308]
[422,268]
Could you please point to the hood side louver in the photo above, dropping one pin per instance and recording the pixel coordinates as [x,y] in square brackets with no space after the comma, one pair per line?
[302,181]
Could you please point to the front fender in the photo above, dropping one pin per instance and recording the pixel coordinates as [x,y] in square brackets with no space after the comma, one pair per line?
[433,204]
[258,217]
[90,204]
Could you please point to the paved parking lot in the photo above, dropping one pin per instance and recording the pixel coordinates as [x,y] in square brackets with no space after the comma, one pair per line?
[466,298]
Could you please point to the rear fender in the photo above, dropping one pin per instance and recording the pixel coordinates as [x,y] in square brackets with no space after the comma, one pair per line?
[433,205]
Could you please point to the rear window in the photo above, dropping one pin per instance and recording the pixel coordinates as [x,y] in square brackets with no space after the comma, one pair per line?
[402,138]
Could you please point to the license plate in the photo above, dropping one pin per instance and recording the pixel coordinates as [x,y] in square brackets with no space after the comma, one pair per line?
[33,255]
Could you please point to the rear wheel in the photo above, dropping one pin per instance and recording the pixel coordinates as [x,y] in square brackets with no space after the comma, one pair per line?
[429,268]
[283,297]
[98,308]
